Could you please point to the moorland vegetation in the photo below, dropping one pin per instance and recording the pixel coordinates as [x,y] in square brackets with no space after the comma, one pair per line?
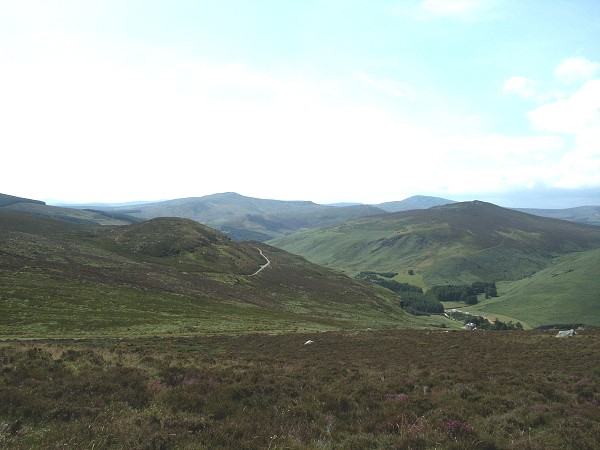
[170,276]
[387,389]
[163,333]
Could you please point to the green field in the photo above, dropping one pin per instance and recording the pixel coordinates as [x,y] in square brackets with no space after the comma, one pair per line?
[565,294]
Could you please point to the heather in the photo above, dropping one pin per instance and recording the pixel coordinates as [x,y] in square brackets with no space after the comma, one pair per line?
[367,389]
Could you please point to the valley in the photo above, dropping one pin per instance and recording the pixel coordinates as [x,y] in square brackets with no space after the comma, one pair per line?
[170,276]
[61,252]
[167,333]
[473,241]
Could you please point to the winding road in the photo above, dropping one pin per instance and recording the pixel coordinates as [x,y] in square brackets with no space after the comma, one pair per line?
[264,265]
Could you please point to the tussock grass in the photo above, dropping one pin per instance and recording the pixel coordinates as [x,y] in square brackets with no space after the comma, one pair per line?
[347,390]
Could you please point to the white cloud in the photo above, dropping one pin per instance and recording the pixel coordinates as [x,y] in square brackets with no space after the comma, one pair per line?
[108,131]
[143,123]
[571,71]
[576,69]
[578,117]
[576,114]
[522,86]
[390,87]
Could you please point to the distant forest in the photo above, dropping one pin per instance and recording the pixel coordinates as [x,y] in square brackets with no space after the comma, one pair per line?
[464,293]
[417,302]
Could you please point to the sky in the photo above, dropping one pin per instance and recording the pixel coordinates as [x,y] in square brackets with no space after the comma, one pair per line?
[323,100]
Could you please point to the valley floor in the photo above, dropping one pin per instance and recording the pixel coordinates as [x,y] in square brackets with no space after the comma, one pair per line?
[377,389]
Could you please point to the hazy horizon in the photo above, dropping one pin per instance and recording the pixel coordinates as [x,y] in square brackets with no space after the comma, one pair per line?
[328,101]
[552,200]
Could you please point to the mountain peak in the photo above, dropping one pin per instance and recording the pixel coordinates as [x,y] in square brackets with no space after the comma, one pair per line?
[414,202]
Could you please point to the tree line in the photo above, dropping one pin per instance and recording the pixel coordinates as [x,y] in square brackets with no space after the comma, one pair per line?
[415,301]
[392,285]
[464,293]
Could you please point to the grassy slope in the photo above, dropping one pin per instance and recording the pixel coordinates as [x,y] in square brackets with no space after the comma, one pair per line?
[566,293]
[463,242]
[169,276]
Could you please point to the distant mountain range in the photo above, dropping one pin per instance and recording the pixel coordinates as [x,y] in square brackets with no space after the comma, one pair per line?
[425,245]
[65,214]
[581,214]
[248,218]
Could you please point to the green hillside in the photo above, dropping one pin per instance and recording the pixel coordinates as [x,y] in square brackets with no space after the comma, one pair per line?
[567,293]
[248,218]
[460,244]
[463,242]
[170,276]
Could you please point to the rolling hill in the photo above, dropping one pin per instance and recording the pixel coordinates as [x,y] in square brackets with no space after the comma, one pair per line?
[473,241]
[65,214]
[582,214]
[564,294]
[248,218]
[414,202]
[458,243]
[169,276]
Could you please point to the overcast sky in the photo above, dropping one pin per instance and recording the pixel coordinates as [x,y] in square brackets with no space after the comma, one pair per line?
[323,100]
